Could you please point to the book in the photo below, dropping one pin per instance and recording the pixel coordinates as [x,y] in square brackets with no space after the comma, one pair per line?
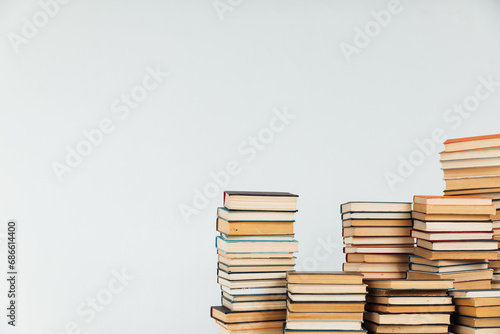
[327,288]
[470,330]
[411,284]
[437,236]
[254,291]
[379,240]
[449,217]
[470,163]
[251,326]
[380,308]
[481,226]
[254,228]
[483,245]
[277,237]
[472,143]
[260,201]
[256,262]
[385,249]
[409,300]
[254,305]
[230,246]
[377,258]
[225,315]
[254,331]
[476,293]
[265,283]
[324,277]
[246,215]
[324,325]
[251,276]
[408,319]
[248,255]
[477,322]
[448,269]
[404,329]
[376,215]
[473,183]
[492,152]
[456,209]
[461,276]
[408,293]
[473,285]
[451,200]
[456,255]
[248,298]
[479,312]
[471,172]
[375,207]
[353,316]
[377,222]
[476,192]
[478,302]
[326,298]
[315,307]
[376,231]
[384,275]
[254,269]
[376,267]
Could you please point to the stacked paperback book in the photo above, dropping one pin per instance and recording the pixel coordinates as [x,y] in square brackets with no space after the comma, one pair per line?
[377,237]
[408,306]
[255,250]
[454,240]
[325,302]
[476,311]
[471,166]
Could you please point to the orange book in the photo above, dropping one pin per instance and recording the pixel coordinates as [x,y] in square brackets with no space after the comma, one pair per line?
[451,200]
[456,209]
[472,143]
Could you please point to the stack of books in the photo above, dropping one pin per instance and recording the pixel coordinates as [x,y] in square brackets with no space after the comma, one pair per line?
[476,311]
[454,240]
[378,238]
[472,167]
[408,306]
[495,266]
[255,250]
[325,302]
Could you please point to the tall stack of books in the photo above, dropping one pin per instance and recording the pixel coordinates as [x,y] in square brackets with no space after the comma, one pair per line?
[454,240]
[256,250]
[471,166]
[325,302]
[476,311]
[408,306]
[377,237]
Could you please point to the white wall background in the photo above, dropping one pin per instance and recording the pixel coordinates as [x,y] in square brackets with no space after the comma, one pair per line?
[119,209]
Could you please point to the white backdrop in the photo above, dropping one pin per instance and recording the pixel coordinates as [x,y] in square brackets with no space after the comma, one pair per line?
[185,92]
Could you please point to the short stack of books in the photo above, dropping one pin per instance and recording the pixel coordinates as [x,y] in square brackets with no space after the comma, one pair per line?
[256,250]
[454,240]
[408,306]
[377,237]
[476,311]
[325,302]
